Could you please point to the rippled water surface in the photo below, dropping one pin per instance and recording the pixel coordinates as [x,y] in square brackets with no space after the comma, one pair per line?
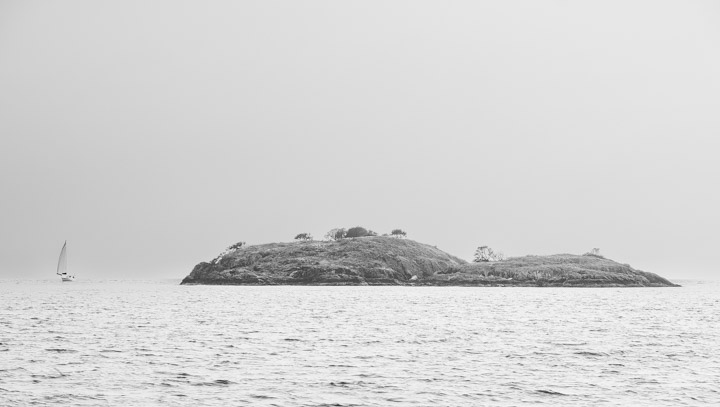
[158,343]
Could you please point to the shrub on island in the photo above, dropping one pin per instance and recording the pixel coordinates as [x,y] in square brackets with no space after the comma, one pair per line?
[399,233]
[484,253]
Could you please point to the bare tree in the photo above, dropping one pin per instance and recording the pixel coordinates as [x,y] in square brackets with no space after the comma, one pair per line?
[485,253]
[229,250]
[336,234]
[595,252]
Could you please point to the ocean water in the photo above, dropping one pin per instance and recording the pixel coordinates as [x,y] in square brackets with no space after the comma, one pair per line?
[144,343]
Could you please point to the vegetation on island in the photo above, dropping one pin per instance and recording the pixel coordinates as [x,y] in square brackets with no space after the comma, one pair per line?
[399,233]
[555,270]
[358,256]
[369,260]
[358,231]
[484,253]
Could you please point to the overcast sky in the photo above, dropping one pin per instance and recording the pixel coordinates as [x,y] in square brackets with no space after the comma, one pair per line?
[152,135]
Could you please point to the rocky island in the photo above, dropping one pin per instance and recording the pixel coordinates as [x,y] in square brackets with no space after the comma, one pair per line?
[384,260]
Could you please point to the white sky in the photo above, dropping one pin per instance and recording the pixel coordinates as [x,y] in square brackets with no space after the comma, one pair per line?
[152,135]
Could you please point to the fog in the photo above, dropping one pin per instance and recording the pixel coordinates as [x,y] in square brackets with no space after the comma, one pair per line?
[152,135]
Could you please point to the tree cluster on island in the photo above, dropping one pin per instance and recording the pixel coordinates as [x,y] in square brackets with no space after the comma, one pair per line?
[486,254]
[353,232]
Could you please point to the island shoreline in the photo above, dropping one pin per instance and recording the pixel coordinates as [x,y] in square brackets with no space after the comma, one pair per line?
[389,261]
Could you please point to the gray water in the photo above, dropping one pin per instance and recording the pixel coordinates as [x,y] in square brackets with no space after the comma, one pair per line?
[157,343]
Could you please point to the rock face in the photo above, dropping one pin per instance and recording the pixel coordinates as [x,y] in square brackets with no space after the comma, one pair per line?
[359,261]
[391,261]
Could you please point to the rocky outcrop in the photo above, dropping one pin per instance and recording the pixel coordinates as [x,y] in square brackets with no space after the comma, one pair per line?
[391,261]
[559,270]
[359,261]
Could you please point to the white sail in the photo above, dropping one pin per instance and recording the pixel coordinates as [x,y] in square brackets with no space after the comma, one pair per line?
[62,261]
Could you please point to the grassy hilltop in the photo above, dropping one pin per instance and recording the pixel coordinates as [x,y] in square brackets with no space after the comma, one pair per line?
[380,260]
[560,270]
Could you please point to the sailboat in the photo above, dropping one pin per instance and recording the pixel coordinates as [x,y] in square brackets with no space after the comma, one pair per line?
[62,265]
